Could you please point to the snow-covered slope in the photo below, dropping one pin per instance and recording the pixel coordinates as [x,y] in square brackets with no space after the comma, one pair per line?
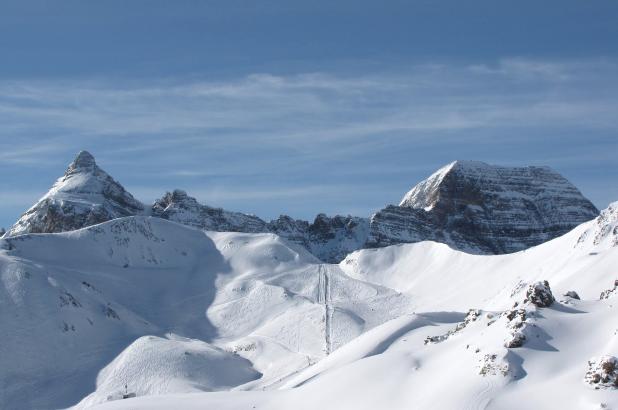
[74,303]
[603,233]
[85,195]
[487,333]
[153,366]
[481,208]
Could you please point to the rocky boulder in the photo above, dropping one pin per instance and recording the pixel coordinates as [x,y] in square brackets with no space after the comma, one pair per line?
[572,294]
[539,294]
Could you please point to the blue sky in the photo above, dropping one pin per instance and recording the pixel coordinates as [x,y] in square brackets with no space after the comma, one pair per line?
[303,107]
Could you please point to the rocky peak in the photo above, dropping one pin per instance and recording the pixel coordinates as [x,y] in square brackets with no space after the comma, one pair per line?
[289,226]
[85,195]
[475,183]
[83,162]
[177,198]
[482,208]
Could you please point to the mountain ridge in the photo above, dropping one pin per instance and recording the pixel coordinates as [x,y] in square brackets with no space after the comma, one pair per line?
[469,205]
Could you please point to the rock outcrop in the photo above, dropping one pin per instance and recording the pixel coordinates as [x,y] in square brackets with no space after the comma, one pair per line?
[85,195]
[539,294]
[606,294]
[602,372]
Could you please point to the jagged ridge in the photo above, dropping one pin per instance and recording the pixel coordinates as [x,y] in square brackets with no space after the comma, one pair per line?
[471,206]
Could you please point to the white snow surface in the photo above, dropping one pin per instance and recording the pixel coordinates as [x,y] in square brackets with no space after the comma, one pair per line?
[270,327]
[71,303]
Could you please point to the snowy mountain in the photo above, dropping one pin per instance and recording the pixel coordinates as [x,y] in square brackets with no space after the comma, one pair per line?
[493,331]
[159,306]
[85,195]
[470,206]
[481,208]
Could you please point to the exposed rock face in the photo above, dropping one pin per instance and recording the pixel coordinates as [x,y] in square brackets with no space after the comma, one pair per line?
[482,208]
[177,206]
[85,195]
[330,239]
[606,294]
[517,322]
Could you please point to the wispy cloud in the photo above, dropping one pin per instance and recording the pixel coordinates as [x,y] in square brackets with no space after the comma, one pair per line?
[269,108]
[306,138]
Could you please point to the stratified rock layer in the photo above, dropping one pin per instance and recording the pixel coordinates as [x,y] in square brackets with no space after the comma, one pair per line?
[481,208]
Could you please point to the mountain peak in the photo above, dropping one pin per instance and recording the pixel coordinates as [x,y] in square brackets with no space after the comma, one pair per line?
[480,175]
[178,198]
[85,195]
[84,161]
[483,208]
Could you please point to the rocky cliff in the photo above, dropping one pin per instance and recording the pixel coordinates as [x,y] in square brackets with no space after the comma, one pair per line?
[481,208]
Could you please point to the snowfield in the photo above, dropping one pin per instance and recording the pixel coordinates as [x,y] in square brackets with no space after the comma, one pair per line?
[182,318]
